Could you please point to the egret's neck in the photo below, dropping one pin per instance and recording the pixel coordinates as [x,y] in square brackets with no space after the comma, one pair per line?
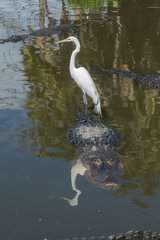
[73,56]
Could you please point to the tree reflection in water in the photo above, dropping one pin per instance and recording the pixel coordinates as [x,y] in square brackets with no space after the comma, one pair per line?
[108,40]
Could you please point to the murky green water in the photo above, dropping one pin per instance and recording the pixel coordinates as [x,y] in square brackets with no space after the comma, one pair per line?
[39,102]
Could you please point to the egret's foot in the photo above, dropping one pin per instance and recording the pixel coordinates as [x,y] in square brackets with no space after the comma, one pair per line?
[82,119]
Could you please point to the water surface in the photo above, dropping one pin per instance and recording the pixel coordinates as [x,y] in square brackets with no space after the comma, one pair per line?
[39,103]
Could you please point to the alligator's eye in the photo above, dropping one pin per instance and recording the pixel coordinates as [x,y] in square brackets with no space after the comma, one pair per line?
[110,162]
[98,162]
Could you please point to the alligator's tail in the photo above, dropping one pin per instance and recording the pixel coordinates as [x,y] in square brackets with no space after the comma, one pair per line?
[97,108]
[123,73]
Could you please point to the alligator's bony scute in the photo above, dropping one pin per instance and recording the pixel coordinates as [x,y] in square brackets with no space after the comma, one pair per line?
[149,80]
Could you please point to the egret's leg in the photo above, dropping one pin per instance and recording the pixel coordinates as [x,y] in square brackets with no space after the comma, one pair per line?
[85,104]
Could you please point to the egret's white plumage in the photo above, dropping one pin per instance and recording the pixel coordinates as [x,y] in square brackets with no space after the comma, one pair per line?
[83,78]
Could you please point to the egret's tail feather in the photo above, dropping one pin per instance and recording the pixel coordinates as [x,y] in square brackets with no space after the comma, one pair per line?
[97,108]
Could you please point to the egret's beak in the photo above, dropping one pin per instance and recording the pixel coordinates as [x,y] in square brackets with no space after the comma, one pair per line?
[64,40]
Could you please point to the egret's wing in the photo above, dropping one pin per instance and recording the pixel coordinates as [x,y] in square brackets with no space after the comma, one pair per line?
[85,82]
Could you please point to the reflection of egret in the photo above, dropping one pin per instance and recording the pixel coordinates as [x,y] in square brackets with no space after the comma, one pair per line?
[76,169]
[83,78]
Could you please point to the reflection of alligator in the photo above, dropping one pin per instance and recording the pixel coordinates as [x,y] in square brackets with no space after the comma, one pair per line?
[131,235]
[97,142]
[150,80]
[40,32]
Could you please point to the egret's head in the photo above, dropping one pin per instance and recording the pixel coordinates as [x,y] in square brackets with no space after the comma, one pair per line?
[69,39]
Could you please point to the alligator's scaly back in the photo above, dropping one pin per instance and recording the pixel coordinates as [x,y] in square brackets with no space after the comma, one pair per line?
[52,30]
[92,133]
[149,80]
[132,235]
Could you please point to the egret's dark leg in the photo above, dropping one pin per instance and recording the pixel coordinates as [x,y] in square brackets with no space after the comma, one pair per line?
[85,104]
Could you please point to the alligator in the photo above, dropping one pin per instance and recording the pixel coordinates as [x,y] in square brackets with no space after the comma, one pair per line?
[97,143]
[149,80]
[38,33]
[130,235]
[98,159]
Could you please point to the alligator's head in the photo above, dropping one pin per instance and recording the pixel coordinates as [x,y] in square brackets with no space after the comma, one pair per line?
[104,167]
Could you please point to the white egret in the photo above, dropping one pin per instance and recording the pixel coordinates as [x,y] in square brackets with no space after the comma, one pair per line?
[83,78]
